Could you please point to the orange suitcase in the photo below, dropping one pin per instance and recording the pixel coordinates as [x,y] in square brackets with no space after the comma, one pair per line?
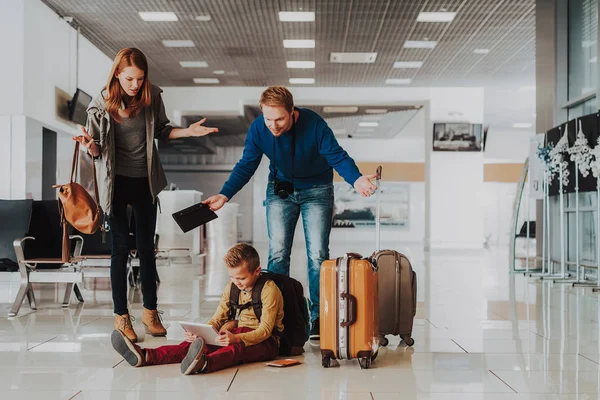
[349,310]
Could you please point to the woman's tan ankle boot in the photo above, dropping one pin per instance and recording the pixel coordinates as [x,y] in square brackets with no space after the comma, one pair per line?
[151,320]
[123,324]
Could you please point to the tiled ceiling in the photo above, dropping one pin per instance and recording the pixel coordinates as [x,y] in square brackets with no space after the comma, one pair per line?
[244,38]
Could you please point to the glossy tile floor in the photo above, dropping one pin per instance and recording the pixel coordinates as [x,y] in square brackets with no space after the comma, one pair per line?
[480,333]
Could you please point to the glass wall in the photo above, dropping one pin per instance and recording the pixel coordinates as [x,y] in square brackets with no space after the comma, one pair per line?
[583,33]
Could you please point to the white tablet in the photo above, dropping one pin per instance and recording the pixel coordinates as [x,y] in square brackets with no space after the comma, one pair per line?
[205,331]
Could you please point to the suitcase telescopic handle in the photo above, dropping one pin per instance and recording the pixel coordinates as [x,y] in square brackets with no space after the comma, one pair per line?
[351,309]
[378,210]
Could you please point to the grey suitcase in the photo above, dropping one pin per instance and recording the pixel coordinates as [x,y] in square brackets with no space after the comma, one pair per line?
[397,286]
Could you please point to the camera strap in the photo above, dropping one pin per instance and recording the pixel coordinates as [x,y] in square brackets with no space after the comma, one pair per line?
[293,129]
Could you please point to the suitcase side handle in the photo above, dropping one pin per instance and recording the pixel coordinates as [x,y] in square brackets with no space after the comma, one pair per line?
[351,309]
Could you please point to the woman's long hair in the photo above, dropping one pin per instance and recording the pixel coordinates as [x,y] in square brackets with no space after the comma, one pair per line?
[126,58]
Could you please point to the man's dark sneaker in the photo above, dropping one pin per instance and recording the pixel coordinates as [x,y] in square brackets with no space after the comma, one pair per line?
[315,330]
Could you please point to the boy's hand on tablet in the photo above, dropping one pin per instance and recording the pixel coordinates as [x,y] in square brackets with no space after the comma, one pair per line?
[226,338]
[190,337]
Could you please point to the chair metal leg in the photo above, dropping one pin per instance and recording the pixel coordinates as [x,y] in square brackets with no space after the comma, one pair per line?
[19,300]
[31,298]
[68,291]
[78,293]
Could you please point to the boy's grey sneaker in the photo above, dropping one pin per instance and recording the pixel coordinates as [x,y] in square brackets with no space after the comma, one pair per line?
[315,330]
[195,359]
[131,352]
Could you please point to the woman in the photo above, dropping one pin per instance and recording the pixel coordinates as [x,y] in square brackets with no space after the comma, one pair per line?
[123,122]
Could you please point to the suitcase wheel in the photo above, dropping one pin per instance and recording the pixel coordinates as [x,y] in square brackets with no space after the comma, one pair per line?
[326,362]
[384,341]
[409,341]
[364,362]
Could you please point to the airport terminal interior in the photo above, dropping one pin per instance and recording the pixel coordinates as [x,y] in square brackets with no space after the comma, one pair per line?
[474,125]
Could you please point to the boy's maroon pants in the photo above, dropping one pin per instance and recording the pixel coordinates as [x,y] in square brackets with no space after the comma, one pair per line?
[218,357]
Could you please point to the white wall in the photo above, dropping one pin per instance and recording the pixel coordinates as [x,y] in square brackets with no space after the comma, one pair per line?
[42,51]
[50,64]
[12,49]
[455,180]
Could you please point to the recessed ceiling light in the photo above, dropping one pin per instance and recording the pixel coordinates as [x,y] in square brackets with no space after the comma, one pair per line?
[158,16]
[355,58]
[481,51]
[408,64]
[300,64]
[394,81]
[299,44]
[193,64]
[436,16]
[299,81]
[365,124]
[203,18]
[376,110]
[340,109]
[291,16]
[420,44]
[522,125]
[178,43]
[207,80]
[219,72]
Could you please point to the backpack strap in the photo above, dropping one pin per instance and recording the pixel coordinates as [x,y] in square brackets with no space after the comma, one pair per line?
[256,303]
[234,300]
[256,295]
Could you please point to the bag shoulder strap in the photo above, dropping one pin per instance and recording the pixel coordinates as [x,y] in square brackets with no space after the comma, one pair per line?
[75,168]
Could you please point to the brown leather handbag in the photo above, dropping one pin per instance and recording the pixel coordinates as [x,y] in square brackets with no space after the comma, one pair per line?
[77,206]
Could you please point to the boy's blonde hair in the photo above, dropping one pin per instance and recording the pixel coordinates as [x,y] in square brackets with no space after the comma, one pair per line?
[242,254]
[277,96]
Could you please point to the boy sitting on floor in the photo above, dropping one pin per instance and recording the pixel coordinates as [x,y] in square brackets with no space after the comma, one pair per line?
[244,340]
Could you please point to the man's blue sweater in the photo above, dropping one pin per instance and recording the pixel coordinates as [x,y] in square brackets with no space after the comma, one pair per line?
[317,153]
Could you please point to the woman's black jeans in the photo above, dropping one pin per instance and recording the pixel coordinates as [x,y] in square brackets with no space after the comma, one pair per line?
[134,192]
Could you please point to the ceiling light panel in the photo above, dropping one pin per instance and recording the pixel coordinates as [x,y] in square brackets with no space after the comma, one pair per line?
[203,18]
[300,64]
[158,16]
[408,64]
[340,109]
[299,44]
[353,58]
[420,44]
[193,64]
[209,81]
[178,43]
[293,16]
[366,124]
[436,17]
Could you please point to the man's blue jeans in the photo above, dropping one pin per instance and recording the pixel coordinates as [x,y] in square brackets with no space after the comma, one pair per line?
[315,204]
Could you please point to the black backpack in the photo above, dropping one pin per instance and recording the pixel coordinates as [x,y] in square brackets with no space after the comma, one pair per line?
[295,310]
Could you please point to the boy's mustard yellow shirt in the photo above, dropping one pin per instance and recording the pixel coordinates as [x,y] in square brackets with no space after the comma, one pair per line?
[272,314]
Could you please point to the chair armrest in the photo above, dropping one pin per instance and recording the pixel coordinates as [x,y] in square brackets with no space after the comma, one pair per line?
[78,246]
[18,245]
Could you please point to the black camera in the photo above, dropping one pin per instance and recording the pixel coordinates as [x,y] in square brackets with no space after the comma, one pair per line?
[283,189]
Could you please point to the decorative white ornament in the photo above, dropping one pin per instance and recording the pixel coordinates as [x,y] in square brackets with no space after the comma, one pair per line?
[595,164]
[557,160]
[581,153]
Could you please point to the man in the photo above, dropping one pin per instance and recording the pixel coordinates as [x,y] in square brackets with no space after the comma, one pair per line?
[303,152]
